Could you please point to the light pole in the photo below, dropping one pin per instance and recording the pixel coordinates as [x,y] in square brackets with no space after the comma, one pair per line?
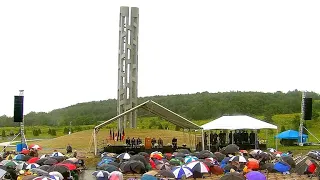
[70,127]
[23,137]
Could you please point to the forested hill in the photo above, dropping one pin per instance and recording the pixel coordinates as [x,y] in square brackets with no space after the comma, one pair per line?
[197,106]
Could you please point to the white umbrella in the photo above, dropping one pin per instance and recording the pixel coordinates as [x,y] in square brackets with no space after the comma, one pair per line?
[101,174]
[56,154]
[124,156]
[33,165]
[238,159]
[56,173]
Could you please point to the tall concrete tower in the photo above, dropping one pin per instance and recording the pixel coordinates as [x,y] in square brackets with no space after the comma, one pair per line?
[128,65]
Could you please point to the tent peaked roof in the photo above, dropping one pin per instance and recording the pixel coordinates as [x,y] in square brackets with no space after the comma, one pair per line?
[290,134]
[237,122]
[160,111]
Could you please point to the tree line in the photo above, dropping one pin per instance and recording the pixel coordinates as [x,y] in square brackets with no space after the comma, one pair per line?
[198,106]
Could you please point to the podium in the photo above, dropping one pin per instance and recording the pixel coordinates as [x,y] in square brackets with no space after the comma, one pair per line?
[147,143]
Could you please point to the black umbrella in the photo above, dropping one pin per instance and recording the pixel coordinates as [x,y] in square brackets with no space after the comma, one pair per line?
[59,158]
[206,155]
[114,164]
[230,149]
[44,167]
[108,167]
[289,160]
[264,156]
[67,162]
[26,157]
[50,162]
[39,172]
[144,154]
[60,169]
[40,161]
[196,154]
[233,176]
[184,151]
[166,173]
[179,154]
[267,166]
[133,166]
[139,158]
[228,167]
[219,156]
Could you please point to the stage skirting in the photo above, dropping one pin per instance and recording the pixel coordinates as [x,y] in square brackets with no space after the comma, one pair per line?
[137,149]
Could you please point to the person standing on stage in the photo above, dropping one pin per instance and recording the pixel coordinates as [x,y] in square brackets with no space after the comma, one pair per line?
[252,137]
[160,143]
[133,142]
[139,142]
[128,141]
[205,139]
[174,143]
[153,142]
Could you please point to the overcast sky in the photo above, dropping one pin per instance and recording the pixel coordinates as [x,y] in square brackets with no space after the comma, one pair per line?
[65,52]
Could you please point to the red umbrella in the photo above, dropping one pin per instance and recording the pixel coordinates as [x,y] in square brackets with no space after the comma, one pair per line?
[25,151]
[69,166]
[152,163]
[33,160]
[35,146]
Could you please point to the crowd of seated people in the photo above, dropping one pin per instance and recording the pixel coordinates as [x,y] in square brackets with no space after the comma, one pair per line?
[133,142]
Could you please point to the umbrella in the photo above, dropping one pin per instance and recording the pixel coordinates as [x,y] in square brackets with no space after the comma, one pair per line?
[255,175]
[100,174]
[50,162]
[143,154]
[289,160]
[60,169]
[27,157]
[70,166]
[175,162]
[198,166]
[230,149]
[281,167]
[181,171]
[189,159]
[168,156]
[163,166]
[114,164]
[19,157]
[104,161]
[3,162]
[233,176]
[138,157]
[56,173]
[212,161]
[2,172]
[33,160]
[11,163]
[124,156]
[217,170]
[228,167]
[148,177]
[166,173]
[116,175]
[178,154]
[46,178]
[184,151]
[133,166]
[29,177]
[108,167]
[219,156]
[44,167]
[39,172]
[56,154]
[74,160]
[21,166]
[42,160]
[238,159]
[267,166]
[35,146]
[254,165]
[25,151]
[58,158]
[31,166]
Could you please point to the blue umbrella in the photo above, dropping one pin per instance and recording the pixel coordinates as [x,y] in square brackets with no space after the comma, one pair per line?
[180,171]
[18,157]
[255,175]
[104,161]
[281,167]
[148,177]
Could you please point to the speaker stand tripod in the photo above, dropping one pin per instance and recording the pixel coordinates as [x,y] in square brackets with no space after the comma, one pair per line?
[23,137]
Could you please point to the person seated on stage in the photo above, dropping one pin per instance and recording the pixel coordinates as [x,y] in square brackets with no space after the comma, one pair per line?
[133,142]
[252,137]
[245,137]
[230,137]
[174,143]
[205,139]
[128,141]
[211,138]
[160,143]
[153,142]
[139,142]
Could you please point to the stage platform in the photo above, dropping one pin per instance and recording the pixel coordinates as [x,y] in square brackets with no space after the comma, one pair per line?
[122,148]
[241,146]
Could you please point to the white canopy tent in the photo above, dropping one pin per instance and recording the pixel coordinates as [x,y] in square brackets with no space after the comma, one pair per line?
[238,122]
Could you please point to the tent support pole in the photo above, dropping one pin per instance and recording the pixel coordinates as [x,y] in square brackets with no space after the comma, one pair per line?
[209,142]
[256,140]
[95,142]
[311,134]
[276,141]
[202,139]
